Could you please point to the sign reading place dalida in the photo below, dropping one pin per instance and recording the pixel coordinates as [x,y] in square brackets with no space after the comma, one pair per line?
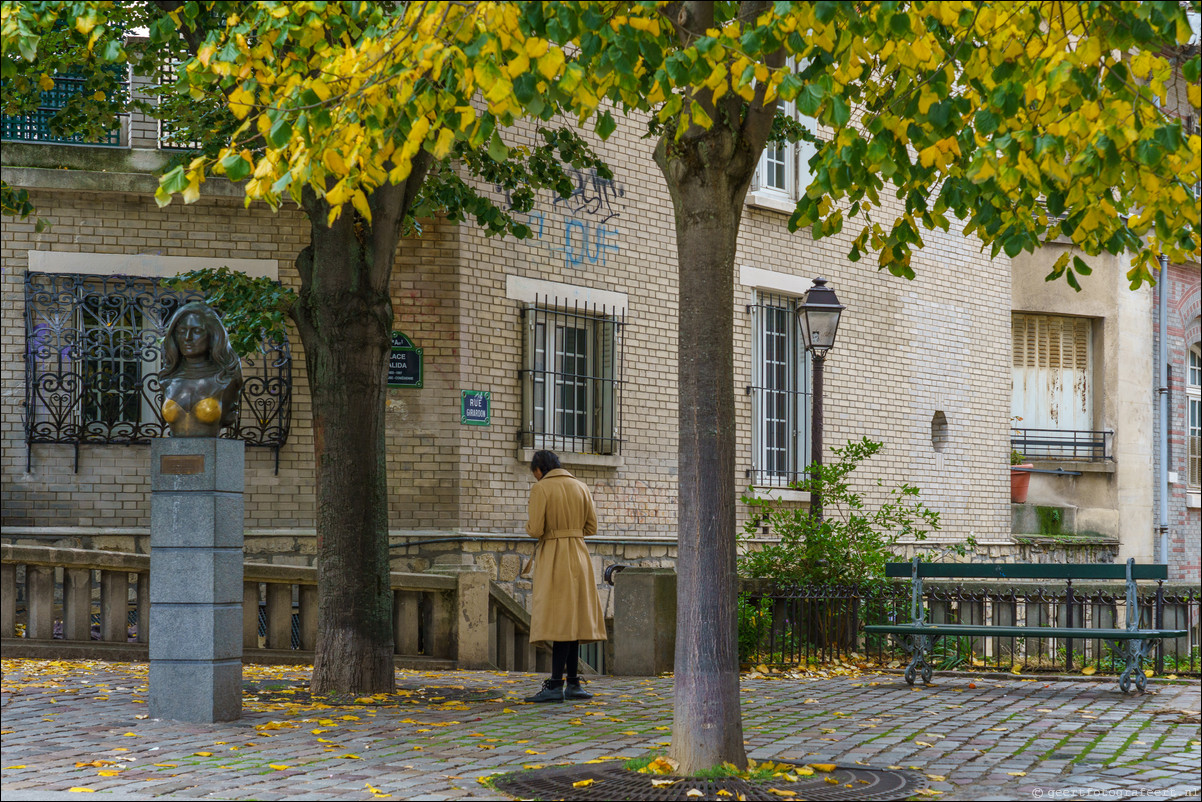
[404,363]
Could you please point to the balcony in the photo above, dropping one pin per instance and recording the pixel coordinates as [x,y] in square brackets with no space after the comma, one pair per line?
[1063,444]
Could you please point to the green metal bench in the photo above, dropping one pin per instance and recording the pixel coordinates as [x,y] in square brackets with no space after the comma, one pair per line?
[921,636]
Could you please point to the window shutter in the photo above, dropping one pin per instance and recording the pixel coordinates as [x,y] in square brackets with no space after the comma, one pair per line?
[1052,366]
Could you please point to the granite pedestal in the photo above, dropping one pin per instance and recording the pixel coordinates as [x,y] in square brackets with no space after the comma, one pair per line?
[196,579]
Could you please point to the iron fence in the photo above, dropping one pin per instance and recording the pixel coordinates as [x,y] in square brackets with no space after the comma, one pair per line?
[782,625]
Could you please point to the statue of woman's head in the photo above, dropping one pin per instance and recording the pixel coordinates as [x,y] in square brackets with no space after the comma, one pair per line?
[195,335]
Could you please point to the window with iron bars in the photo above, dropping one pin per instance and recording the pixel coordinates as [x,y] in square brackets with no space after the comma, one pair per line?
[571,379]
[780,393]
[1193,392]
[170,137]
[93,348]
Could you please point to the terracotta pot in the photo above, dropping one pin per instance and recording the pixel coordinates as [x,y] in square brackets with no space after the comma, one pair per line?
[1020,482]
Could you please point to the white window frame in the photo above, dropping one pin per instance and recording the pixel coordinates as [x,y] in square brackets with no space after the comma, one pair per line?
[794,157]
[601,314]
[561,423]
[1193,422]
[763,283]
[780,397]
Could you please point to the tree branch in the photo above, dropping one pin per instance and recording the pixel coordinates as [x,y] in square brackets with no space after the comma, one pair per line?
[390,205]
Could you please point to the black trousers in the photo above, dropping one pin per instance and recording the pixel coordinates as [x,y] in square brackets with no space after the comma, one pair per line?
[565,654]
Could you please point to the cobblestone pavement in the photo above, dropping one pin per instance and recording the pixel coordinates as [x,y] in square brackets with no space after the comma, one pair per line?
[72,726]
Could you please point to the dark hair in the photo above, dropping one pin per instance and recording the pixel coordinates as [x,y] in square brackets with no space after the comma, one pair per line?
[545,461]
[229,368]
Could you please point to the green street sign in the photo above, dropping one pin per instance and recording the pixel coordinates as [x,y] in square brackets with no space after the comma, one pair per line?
[404,363]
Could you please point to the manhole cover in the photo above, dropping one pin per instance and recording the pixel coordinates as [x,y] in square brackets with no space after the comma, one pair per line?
[611,781]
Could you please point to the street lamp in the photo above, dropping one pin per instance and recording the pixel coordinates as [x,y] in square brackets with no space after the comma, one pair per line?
[818,315]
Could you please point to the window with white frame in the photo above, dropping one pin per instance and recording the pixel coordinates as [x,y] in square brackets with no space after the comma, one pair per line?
[1193,393]
[571,378]
[784,173]
[780,393]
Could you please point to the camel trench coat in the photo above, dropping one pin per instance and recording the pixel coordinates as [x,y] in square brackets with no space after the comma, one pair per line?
[566,604]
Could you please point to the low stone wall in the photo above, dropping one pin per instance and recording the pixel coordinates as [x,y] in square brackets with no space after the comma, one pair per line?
[1029,549]
[501,555]
[504,556]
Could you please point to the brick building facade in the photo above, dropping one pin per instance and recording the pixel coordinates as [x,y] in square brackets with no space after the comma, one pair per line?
[922,365]
[1184,357]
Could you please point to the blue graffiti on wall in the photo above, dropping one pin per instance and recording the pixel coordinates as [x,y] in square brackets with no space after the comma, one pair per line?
[587,234]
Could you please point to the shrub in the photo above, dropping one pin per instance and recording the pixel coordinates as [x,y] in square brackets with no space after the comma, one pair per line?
[851,544]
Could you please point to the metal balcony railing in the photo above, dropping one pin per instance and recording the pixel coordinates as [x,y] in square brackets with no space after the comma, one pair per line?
[1063,444]
[36,127]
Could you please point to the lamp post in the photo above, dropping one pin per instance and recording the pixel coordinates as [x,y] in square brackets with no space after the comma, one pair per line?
[818,315]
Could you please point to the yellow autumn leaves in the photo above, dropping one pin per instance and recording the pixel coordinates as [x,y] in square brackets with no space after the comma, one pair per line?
[1005,104]
[343,116]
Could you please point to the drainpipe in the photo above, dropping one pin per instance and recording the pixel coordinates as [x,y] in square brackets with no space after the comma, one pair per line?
[1162,392]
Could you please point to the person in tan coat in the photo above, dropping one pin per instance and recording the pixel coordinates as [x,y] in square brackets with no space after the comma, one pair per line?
[567,608]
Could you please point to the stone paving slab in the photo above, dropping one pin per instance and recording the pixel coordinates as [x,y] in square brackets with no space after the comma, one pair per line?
[974,737]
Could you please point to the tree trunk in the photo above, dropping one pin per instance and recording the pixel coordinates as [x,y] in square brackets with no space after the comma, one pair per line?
[707,728]
[344,314]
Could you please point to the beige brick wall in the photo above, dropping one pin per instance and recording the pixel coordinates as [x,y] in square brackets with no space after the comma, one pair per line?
[905,350]
[111,487]
[621,240]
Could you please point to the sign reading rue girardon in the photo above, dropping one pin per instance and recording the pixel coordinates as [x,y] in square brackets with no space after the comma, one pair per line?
[474,407]
[404,363]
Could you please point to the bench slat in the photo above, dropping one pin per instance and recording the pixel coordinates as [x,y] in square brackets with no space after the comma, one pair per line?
[982,630]
[1026,571]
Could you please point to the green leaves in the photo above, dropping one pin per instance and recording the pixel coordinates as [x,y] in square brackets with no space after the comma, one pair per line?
[252,309]
[853,541]
[236,167]
[605,125]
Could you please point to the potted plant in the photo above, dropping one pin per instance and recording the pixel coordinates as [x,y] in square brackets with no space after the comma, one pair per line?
[1020,477]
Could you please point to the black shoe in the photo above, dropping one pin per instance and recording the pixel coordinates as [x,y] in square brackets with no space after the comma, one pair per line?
[552,692]
[572,690]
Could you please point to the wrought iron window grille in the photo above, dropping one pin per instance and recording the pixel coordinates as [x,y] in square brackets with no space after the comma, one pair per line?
[93,346]
[170,136]
[780,394]
[571,378]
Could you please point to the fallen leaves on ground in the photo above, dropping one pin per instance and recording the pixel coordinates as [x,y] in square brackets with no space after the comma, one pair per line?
[854,665]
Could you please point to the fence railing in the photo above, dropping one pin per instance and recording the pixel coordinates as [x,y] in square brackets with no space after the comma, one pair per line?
[1063,444]
[797,625]
[57,602]
[35,126]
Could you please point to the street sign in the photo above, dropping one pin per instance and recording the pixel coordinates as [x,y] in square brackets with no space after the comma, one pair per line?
[404,363]
[475,408]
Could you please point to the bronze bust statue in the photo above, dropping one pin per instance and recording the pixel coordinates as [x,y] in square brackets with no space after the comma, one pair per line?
[201,376]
